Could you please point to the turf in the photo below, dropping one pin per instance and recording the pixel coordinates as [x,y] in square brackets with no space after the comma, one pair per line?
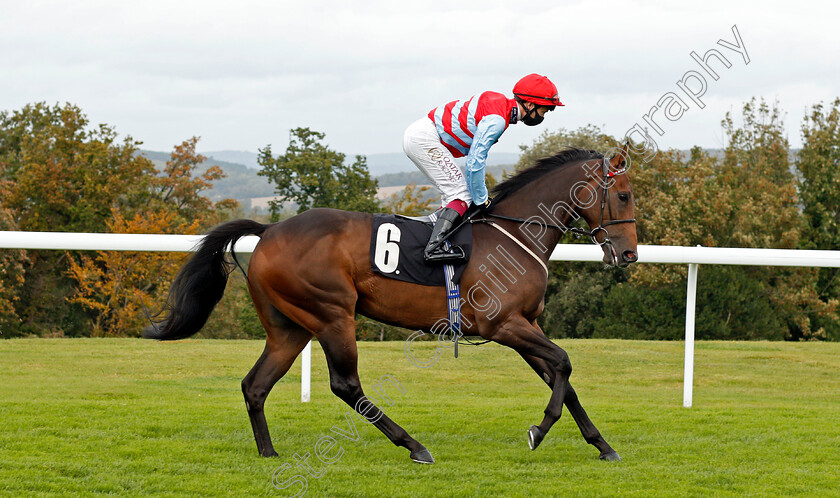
[131,417]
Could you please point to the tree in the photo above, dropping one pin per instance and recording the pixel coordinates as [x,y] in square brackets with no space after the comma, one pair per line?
[65,176]
[310,175]
[412,201]
[57,173]
[746,199]
[767,214]
[12,269]
[61,174]
[757,164]
[588,137]
[178,191]
[117,287]
[818,164]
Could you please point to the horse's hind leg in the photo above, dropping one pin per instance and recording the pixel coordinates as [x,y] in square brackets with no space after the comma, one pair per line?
[284,342]
[587,428]
[339,343]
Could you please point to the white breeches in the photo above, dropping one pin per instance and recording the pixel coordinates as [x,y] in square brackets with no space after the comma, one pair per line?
[422,145]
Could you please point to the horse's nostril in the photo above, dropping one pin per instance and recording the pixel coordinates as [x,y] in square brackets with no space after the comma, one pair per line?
[629,256]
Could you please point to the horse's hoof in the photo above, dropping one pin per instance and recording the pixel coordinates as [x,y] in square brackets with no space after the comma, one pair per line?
[610,457]
[422,456]
[535,437]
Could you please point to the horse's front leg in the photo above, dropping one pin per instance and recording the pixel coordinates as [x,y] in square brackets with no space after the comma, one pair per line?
[528,340]
[587,428]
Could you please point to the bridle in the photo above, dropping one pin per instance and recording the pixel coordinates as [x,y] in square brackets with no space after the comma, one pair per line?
[605,197]
[607,174]
[579,232]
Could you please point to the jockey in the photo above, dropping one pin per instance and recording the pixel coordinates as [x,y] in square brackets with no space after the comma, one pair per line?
[469,128]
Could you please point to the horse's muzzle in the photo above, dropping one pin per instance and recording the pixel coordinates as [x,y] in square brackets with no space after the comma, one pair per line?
[612,258]
[628,257]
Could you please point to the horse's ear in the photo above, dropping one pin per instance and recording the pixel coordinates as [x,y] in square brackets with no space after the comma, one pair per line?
[620,157]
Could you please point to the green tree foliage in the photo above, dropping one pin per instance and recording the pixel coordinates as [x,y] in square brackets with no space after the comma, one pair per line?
[58,173]
[62,175]
[756,161]
[818,164]
[310,174]
[746,199]
[412,201]
[115,286]
[765,213]
[698,200]
[12,269]
[547,144]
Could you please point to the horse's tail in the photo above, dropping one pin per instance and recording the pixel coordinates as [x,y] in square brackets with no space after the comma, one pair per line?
[201,282]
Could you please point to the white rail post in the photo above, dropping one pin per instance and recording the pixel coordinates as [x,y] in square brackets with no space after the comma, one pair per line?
[690,304]
[305,373]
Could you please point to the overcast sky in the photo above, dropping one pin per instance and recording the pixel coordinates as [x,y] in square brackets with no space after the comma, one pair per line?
[242,74]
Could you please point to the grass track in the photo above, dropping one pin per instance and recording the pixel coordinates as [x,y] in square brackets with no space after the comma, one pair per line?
[132,417]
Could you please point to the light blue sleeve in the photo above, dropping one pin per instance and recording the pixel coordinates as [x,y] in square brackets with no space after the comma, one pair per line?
[487,133]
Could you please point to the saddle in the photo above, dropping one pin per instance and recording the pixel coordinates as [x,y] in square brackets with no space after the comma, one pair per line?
[396,249]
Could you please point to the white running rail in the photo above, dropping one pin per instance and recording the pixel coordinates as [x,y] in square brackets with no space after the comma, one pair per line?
[692,256]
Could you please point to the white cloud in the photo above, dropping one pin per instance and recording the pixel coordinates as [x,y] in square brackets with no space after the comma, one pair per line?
[241,75]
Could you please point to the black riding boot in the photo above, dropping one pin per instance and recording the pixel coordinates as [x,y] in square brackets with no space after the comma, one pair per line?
[434,252]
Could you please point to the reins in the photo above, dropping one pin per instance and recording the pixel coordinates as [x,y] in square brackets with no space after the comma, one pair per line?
[579,232]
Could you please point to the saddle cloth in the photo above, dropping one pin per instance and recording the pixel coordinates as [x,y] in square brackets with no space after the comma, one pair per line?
[396,249]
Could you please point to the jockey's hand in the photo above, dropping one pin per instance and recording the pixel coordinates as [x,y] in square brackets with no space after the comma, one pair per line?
[486,206]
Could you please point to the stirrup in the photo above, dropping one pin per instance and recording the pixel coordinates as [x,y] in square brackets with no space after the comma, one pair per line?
[455,254]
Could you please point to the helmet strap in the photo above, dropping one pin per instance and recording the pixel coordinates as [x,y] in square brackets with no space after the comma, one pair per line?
[532,114]
[526,113]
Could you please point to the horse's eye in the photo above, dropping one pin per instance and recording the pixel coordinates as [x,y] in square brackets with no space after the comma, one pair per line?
[624,196]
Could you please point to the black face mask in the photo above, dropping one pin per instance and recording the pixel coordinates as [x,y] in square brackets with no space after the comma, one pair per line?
[532,120]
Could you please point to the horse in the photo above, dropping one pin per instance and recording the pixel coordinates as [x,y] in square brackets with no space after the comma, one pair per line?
[311,274]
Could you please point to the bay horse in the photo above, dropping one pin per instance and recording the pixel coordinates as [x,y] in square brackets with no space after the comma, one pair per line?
[310,274]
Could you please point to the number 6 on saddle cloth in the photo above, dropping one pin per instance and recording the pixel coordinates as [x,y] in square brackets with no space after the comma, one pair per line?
[396,250]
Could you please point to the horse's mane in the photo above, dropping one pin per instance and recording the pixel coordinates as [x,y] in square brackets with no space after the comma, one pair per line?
[541,168]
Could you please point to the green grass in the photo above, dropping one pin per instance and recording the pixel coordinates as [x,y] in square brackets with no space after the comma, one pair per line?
[133,417]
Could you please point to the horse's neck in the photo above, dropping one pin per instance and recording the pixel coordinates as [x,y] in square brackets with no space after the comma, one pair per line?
[544,202]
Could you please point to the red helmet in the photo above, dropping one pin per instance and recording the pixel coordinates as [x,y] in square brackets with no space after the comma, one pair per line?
[536,89]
